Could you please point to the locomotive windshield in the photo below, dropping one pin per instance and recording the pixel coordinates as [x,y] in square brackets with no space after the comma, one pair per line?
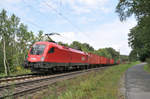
[37,49]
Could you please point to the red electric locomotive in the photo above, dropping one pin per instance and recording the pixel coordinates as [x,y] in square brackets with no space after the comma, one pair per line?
[49,55]
[45,56]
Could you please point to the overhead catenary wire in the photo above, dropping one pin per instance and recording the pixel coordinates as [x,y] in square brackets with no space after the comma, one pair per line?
[34,24]
[60,14]
[63,16]
[68,20]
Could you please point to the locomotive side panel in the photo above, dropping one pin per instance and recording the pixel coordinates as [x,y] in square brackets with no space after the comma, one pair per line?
[58,55]
[78,57]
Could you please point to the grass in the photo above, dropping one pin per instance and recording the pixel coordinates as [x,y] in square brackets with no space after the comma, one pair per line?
[2,74]
[147,68]
[95,85]
[19,70]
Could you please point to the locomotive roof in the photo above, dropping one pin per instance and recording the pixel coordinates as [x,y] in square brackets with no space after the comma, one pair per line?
[77,51]
[60,46]
[44,42]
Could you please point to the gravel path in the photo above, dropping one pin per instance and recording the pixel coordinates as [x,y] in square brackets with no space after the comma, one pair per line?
[137,83]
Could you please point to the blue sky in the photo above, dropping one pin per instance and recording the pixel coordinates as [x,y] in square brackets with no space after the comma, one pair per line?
[91,21]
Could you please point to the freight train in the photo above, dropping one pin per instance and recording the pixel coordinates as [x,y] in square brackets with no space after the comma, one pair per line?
[48,56]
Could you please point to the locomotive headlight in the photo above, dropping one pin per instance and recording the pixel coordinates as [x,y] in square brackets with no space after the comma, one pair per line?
[42,58]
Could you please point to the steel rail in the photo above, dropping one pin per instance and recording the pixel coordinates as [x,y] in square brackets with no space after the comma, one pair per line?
[23,88]
[17,77]
[5,77]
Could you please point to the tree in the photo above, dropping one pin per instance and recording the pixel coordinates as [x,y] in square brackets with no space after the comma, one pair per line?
[15,41]
[133,56]
[1,60]
[109,53]
[104,52]
[126,8]
[139,39]
[4,36]
[139,35]
[11,46]
[124,58]
[25,40]
[63,44]
[76,45]
[87,48]
[40,36]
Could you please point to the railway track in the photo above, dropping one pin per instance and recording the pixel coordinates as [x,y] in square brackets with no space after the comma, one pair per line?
[14,78]
[30,86]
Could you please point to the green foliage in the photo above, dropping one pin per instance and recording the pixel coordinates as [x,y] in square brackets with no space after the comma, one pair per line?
[106,52]
[87,48]
[124,58]
[102,84]
[1,60]
[139,38]
[63,44]
[139,35]
[76,45]
[82,46]
[109,53]
[127,8]
[133,56]
[147,68]
[40,36]
[17,40]
[20,70]
[148,61]
[97,85]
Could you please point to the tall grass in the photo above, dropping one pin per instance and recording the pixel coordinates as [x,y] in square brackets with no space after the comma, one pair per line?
[98,85]
[103,84]
[148,60]
[147,66]
[2,74]
[18,71]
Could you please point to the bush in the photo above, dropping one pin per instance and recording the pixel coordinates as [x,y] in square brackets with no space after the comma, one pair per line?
[148,61]
[20,70]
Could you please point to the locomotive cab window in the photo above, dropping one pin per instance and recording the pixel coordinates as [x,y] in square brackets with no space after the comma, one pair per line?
[51,50]
[37,49]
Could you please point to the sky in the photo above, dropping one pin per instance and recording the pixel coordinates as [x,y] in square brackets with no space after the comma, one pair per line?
[87,21]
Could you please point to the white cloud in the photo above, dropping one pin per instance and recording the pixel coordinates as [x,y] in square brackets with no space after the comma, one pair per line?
[91,3]
[11,1]
[47,6]
[87,6]
[78,6]
[113,34]
[85,20]
[66,37]
[79,9]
